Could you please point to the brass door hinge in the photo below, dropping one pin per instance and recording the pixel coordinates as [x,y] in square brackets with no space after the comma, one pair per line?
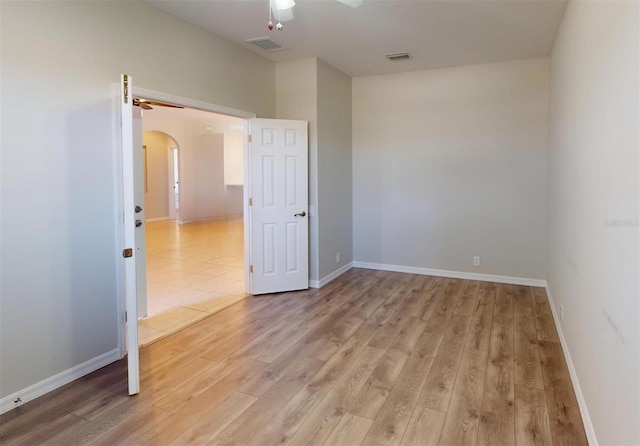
[251,268]
[126,89]
[127,252]
[250,201]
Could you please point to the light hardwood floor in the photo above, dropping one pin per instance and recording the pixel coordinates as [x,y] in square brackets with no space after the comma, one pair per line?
[193,271]
[372,358]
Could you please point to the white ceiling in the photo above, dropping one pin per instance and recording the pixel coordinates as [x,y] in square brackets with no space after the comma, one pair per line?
[437,33]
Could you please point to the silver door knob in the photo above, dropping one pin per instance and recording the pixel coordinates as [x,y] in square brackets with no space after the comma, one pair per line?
[138,223]
[301,214]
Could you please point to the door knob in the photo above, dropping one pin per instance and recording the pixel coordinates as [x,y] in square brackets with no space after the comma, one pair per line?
[138,209]
[301,214]
[138,223]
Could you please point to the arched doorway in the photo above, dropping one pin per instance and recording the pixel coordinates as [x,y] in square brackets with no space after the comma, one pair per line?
[161,175]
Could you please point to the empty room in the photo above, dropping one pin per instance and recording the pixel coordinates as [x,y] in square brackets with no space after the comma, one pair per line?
[436,202]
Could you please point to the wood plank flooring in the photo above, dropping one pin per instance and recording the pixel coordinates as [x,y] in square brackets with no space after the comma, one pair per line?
[372,358]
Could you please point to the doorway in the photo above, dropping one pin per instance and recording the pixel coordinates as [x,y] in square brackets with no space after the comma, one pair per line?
[287,142]
[194,175]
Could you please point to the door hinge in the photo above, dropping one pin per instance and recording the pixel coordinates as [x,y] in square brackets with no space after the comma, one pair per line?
[250,138]
[126,318]
[251,268]
[250,201]
[127,252]
[126,89]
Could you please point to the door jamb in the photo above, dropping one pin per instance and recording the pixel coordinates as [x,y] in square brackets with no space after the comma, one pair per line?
[119,205]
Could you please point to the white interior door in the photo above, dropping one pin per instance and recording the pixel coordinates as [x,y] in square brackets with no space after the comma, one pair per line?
[139,179]
[279,206]
[129,216]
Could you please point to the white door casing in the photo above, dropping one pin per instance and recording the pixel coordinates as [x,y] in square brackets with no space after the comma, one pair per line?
[128,199]
[279,225]
[139,211]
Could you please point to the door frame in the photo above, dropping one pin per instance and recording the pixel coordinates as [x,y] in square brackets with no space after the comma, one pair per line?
[119,204]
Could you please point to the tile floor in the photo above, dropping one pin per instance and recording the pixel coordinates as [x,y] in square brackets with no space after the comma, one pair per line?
[193,270]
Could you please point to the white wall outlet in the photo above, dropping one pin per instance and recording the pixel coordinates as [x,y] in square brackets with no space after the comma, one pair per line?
[476,260]
[338,257]
[561,313]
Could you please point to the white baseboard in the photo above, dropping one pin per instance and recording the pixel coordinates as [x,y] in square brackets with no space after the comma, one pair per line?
[151,220]
[452,274]
[328,278]
[582,404]
[38,389]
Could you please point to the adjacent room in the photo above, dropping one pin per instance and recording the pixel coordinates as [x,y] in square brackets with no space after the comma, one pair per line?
[194,221]
[455,192]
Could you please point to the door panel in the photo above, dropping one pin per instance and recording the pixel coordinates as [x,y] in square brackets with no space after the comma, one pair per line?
[278,215]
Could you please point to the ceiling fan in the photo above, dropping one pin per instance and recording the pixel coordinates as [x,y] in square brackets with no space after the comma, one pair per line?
[146,104]
[282,10]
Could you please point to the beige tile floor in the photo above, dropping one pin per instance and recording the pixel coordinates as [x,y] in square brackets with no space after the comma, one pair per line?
[193,270]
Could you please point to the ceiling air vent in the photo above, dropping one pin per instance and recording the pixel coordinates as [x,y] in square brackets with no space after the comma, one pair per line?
[265,43]
[398,56]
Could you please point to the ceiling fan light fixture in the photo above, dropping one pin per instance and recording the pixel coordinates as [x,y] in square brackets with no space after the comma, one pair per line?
[284,4]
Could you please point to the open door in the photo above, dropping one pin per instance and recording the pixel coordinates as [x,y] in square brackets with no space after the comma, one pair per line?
[279,206]
[129,216]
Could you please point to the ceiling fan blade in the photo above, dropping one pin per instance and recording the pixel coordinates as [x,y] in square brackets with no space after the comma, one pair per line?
[161,104]
[352,3]
[140,103]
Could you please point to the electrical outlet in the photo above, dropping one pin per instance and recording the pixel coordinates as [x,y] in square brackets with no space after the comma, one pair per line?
[476,260]
[338,257]
[561,313]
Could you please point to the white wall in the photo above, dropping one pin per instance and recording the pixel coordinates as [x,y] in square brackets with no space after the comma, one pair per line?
[203,167]
[233,156]
[156,197]
[297,98]
[59,60]
[451,163]
[335,180]
[233,164]
[203,196]
[593,208]
[312,90]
